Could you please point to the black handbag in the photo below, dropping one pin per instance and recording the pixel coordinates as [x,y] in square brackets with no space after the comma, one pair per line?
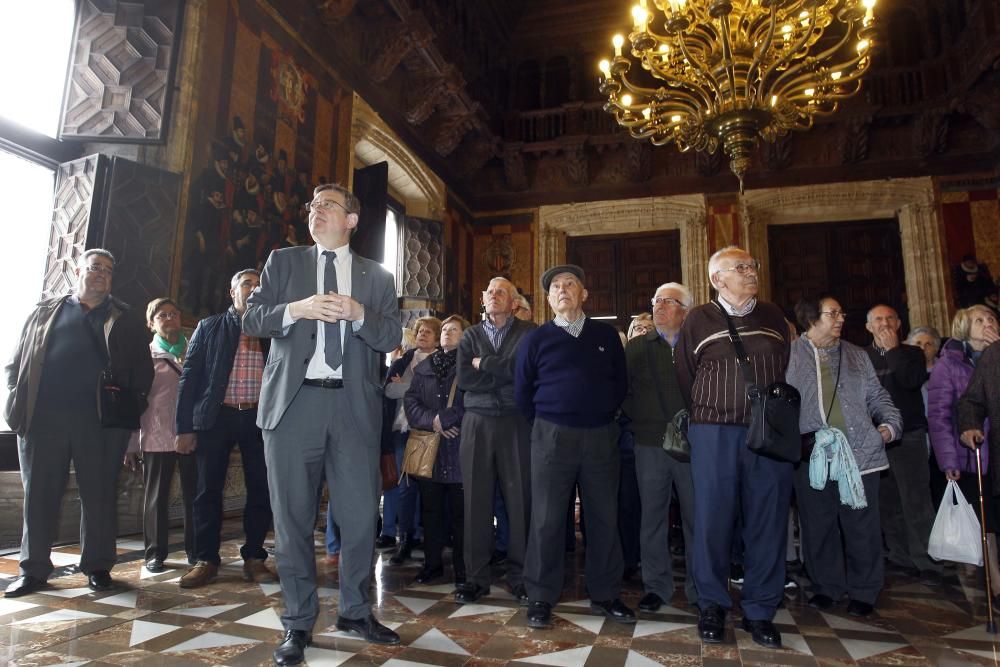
[118,405]
[675,442]
[774,412]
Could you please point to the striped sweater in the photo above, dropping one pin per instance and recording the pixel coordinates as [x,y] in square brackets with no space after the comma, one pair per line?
[711,381]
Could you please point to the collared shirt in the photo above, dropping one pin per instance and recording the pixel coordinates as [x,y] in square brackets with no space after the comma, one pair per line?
[742,312]
[572,328]
[318,368]
[497,334]
[671,340]
[248,371]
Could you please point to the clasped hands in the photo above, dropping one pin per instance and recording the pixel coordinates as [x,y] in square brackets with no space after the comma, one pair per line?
[330,308]
[449,433]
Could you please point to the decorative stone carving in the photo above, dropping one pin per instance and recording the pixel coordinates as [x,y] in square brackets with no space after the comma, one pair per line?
[930,133]
[694,255]
[638,161]
[395,41]
[513,167]
[854,140]
[476,153]
[425,97]
[499,256]
[576,165]
[910,200]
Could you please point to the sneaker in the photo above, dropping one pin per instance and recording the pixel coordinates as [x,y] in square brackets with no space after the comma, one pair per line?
[202,573]
[736,573]
[257,571]
[790,582]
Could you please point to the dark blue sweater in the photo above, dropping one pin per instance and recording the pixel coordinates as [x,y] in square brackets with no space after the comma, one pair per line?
[577,382]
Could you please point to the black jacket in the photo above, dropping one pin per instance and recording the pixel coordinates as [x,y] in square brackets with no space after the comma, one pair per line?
[209,362]
[489,391]
[903,371]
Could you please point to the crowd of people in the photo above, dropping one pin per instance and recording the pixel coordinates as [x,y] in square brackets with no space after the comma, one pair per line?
[526,417]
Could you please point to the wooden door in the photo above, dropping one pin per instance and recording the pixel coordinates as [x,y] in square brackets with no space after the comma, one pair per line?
[859,263]
[623,271]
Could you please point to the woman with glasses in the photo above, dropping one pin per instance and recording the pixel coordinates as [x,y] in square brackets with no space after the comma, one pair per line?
[847,418]
[641,325]
[155,438]
[973,329]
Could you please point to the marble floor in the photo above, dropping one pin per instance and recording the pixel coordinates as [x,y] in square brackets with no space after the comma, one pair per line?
[148,620]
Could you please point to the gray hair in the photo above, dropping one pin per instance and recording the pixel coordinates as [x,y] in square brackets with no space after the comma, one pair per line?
[522,302]
[713,261]
[686,297]
[930,331]
[99,252]
[868,315]
[239,274]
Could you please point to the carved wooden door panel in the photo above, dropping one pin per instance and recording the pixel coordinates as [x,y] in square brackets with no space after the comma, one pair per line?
[422,277]
[623,271]
[859,263]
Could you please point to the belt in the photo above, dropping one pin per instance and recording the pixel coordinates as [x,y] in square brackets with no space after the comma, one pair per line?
[241,406]
[328,383]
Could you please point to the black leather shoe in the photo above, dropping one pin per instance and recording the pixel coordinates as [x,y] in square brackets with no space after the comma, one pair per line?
[292,650]
[369,629]
[429,574]
[629,572]
[859,608]
[469,593]
[763,633]
[385,543]
[459,576]
[520,594]
[154,565]
[99,580]
[712,624]
[498,557]
[821,602]
[539,614]
[403,551]
[930,578]
[613,609]
[23,586]
[651,602]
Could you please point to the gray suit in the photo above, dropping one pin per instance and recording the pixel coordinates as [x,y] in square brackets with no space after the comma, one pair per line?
[312,431]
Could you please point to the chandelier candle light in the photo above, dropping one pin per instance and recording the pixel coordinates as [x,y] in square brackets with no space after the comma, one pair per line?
[731,70]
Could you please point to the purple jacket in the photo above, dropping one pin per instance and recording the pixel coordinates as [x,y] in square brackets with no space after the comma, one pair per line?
[949,378]
[424,400]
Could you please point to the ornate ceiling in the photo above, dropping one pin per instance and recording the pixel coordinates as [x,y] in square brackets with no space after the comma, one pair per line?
[500,98]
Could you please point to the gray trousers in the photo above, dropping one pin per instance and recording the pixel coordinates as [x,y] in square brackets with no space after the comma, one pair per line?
[45,453]
[495,449]
[842,547]
[905,499]
[561,457]
[158,473]
[317,435]
[658,474]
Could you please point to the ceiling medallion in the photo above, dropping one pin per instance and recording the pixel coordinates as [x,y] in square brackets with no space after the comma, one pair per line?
[730,71]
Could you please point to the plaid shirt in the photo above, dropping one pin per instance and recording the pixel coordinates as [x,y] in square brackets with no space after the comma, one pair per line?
[574,329]
[495,334]
[248,370]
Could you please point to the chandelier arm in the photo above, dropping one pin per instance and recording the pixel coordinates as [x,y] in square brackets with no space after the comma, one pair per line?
[727,56]
[758,56]
[695,93]
[696,66]
[784,81]
[688,102]
[790,54]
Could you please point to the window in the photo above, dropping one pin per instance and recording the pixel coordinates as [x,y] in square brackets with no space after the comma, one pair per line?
[391,249]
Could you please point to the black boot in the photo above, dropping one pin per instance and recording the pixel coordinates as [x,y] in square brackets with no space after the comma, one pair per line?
[402,551]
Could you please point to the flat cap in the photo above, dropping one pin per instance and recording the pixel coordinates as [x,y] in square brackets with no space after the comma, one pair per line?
[562,268]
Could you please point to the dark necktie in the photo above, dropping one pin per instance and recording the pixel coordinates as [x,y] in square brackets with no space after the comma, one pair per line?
[334,353]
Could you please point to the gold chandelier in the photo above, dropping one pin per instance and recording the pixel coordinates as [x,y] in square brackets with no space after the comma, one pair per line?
[730,70]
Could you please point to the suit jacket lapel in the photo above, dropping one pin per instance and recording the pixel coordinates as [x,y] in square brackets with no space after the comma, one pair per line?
[305,281]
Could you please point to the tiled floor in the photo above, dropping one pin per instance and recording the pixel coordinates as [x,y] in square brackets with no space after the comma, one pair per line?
[148,620]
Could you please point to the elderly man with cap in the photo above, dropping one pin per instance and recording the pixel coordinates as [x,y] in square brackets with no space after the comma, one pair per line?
[570,379]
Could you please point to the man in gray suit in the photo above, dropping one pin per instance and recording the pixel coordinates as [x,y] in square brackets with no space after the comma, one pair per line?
[329,313]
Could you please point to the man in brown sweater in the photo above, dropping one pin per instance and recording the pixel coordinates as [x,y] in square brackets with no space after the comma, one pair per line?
[728,477]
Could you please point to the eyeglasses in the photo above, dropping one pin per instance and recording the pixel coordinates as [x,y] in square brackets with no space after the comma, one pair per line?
[744,269]
[666,300]
[834,314]
[166,315]
[100,268]
[324,205]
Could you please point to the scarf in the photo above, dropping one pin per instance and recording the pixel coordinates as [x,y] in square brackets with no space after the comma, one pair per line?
[443,363]
[177,349]
[832,446]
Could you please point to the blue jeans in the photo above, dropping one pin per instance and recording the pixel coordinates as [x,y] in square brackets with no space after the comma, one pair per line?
[332,534]
[399,505]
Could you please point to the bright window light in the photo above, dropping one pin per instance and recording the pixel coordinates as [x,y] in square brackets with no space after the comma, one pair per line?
[26,196]
[34,47]
[391,247]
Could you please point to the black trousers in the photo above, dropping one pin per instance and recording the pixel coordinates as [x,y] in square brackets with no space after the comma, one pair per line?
[212,454]
[441,513]
[158,473]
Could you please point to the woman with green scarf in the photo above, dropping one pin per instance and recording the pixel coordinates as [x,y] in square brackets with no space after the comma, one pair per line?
[155,438]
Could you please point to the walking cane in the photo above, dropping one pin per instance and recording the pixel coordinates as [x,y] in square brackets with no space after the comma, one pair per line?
[991,626]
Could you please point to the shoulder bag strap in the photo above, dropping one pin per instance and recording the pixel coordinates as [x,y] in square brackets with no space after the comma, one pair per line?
[451,394]
[656,378]
[742,359]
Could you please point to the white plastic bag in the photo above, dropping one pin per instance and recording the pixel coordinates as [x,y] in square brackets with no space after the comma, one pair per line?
[955,535]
